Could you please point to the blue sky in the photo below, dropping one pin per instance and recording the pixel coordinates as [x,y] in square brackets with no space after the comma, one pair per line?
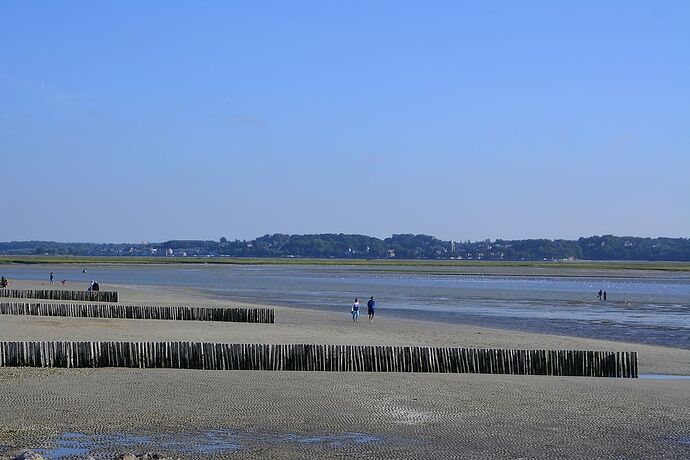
[130,121]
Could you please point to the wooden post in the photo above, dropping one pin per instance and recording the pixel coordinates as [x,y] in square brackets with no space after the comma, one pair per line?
[306,357]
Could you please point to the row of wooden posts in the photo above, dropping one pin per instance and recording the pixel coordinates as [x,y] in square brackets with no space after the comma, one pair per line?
[244,315]
[304,357]
[56,294]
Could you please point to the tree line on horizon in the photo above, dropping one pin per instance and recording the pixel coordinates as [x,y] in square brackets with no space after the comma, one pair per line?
[397,246]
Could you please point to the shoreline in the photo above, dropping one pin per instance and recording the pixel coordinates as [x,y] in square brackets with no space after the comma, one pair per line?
[572,312]
[462,266]
[312,325]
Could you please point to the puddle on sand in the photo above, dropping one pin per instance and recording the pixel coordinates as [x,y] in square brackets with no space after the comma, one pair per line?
[664,377]
[68,445]
[337,440]
[101,446]
[76,445]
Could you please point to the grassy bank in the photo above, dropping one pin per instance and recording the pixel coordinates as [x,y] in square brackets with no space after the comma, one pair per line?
[584,265]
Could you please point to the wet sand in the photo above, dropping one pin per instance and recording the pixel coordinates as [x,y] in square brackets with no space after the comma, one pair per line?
[200,414]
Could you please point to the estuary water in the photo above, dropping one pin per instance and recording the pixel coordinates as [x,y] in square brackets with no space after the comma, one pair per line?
[654,310]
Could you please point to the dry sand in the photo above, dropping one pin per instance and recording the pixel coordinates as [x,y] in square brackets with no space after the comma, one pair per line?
[336,415]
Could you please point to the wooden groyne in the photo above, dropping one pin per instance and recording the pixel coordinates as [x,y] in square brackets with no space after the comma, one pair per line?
[241,315]
[56,294]
[338,358]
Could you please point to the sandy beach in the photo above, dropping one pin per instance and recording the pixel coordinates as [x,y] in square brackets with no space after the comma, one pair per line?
[201,414]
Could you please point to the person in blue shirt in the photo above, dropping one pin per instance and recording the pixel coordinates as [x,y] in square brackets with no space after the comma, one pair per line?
[371,308]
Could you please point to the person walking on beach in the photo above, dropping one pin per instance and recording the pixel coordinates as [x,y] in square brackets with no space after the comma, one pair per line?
[355,311]
[371,306]
[3,283]
[599,295]
[604,296]
[51,278]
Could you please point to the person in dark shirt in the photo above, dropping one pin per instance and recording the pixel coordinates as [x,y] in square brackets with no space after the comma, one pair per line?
[371,308]
[604,295]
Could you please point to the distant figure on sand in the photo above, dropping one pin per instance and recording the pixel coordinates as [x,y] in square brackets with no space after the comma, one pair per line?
[371,308]
[83,271]
[604,295]
[4,283]
[51,278]
[599,295]
[355,311]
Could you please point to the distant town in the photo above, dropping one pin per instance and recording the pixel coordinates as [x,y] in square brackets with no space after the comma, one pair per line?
[398,246]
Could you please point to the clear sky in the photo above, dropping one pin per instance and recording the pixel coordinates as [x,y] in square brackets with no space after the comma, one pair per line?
[142,120]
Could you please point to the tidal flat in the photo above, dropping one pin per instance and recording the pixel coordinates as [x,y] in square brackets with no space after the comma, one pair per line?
[73,413]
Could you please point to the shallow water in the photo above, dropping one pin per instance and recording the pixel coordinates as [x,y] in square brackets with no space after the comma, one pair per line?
[646,310]
[203,443]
